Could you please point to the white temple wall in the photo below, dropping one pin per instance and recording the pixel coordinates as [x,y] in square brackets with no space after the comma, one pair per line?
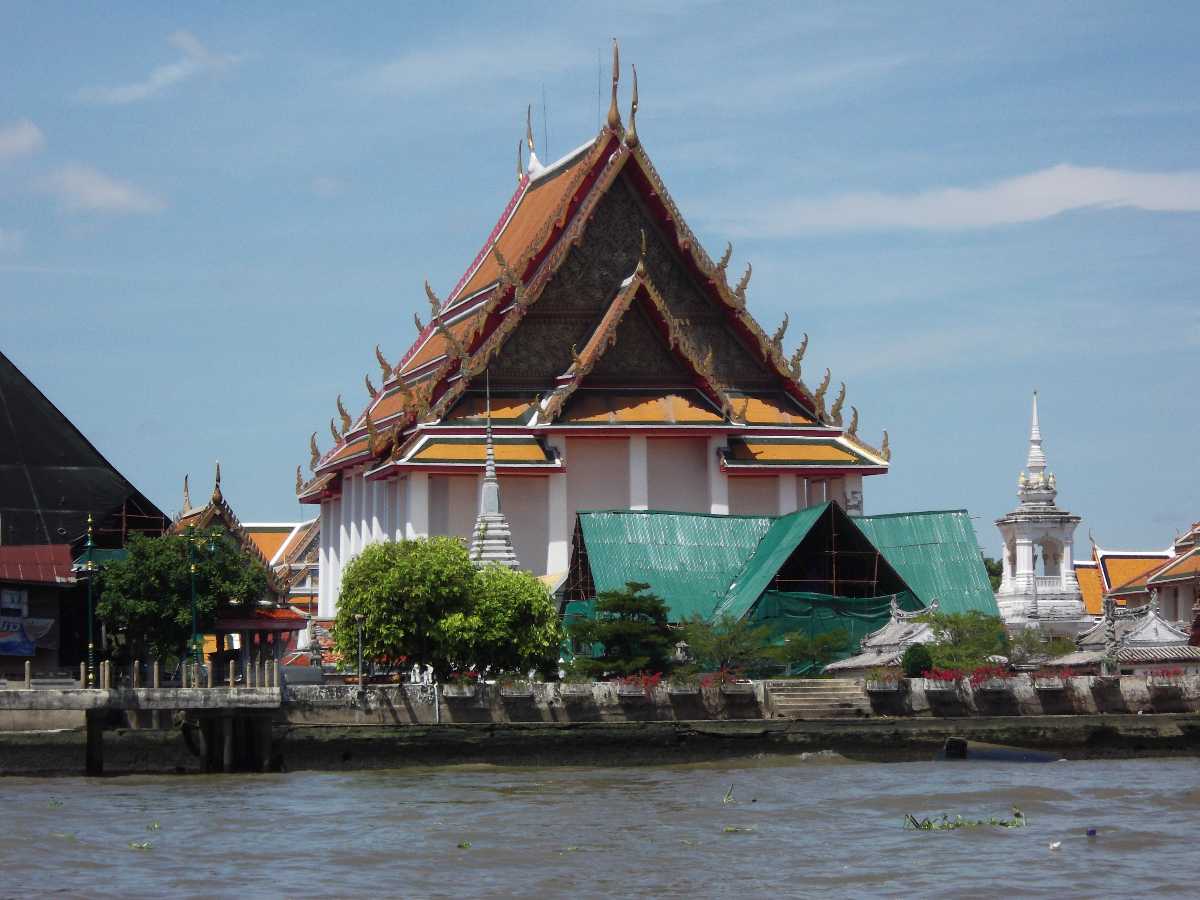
[677,474]
[753,496]
[597,474]
[524,500]
[453,504]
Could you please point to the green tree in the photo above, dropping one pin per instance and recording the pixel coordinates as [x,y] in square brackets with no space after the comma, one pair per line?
[966,640]
[800,649]
[1034,645]
[405,591]
[995,571]
[727,643]
[631,626]
[511,624]
[145,599]
[916,661]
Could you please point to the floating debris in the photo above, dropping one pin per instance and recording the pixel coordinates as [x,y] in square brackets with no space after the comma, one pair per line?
[464,845]
[945,823]
[153,826]
[55,803]
[739,829]
[65,835]
[141,845]
[728,798]
[1054,845]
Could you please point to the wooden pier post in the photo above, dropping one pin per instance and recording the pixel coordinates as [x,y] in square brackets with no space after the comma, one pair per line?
[137,673]
[210,677]
[156,675]
[232,674]
[83,674]
[28,674]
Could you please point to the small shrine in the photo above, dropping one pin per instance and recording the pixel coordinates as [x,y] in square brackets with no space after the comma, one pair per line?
[883,649]
[1038,532]
[1139,640]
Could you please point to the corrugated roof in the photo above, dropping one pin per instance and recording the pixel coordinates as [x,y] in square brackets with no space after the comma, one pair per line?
[688,559]
[36,564]
[937,554]
[773,550]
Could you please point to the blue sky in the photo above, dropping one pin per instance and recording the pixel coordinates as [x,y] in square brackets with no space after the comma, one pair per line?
[210,216]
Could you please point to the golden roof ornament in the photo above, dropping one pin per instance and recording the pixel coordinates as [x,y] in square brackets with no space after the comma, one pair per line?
[372,434]
[885,449]
[777,337]
[435,305]
[385,368]
[299,481]
[794,364]
[803,348]
[529,132]
[520,164]
[314,451]
[417,321]
[853,429]
[836,412]
[631,138]
[346,421]
[614,114]
[819,397]
[217,484]
[337,438]
[370,387]
[187,498]
[641,263]
[739,292]
[723,263]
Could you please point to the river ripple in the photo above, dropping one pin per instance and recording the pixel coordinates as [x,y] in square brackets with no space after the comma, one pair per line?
[814,826]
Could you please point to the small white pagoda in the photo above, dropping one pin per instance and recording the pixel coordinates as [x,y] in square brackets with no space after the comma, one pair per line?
[1037,534]
[491,542]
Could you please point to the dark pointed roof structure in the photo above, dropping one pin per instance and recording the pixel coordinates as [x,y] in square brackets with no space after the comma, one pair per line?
[51,476]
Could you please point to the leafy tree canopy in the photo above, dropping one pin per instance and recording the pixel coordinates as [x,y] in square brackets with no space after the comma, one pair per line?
[511,624]
[995,571]
[405,591]
[965,640]
[804,651]
[145,599]
[727,643]
[916,661]
[631,626]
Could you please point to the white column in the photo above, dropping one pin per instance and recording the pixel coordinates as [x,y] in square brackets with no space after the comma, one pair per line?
[802,493]
[718,481]
[1069,583]
[835,491]
[343,536]
[389,500]
[1006,577]
[323,577]
[854,495]
[1025,571]
[559,520]
[400,489]
[416,520]
[639,485]
[787,493]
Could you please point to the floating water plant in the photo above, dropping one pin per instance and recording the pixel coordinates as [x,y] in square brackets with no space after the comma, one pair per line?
[738,829]
[55,804]
[945,823]
[728,798]
[153,826]
[464,845]
[141,845]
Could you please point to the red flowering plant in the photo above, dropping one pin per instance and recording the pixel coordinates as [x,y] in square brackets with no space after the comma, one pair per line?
[463,678]
[646,681]
[944,675]
[990,673]
[1170,675]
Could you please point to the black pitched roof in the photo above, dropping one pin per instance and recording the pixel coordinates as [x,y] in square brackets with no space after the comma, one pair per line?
[51,476]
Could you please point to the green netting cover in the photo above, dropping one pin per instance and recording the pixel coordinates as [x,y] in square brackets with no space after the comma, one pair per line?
[785,612]
[688,559]
[937,554]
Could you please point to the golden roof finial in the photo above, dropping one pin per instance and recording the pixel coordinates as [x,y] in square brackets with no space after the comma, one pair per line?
[641,263]
[885,449]
[520,164]
[217,484]
[614,114]
[529,128]
[435,304]
[819,397]
[337,438]
[725,257]
[315,452]
[631,138]
[187,497]
[836,412]
[743,283]
[346,421]
[299,481]
[777,337]
[385,368]
[370,387]
[853,429]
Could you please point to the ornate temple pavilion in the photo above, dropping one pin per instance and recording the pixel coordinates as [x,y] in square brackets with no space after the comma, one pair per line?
[625,370]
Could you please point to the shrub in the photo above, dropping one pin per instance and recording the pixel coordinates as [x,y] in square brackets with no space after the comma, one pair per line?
[939,674]
[989,673]
[916,661]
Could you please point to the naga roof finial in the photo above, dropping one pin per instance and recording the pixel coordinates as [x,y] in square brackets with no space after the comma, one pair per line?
[777,337]
[885,449]
[333,431]
[740,291]
[435,305]
[836,412]
[385,368]
[723,263]
[299,481]
[529,128]
[520,164]
[614,114]
[341,407]
[819,397]
[370,387]
[853,429]
[314,452]
[187,498]
[631,138]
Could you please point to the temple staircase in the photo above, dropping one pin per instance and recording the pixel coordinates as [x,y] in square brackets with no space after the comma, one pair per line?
[817,698]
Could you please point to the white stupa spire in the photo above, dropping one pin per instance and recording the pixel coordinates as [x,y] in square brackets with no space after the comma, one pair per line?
[1037,458]
[492,540]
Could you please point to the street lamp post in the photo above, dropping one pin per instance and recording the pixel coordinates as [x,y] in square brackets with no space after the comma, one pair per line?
[91,616]
[192,569]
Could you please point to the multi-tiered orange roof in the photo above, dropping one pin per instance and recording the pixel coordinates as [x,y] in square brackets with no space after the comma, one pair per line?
[592,307]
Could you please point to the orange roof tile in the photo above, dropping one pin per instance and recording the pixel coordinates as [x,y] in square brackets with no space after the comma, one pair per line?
[593,407]
[473,408]
[790,452]
[269,538]
[437,345]
[473,450]
[1120,570]
[1091,588]
[1183,566]
[766,410]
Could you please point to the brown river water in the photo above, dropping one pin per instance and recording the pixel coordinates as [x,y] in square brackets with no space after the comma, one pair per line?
[806,826]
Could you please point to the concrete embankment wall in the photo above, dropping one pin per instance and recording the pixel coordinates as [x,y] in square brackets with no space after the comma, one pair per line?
[1082,695]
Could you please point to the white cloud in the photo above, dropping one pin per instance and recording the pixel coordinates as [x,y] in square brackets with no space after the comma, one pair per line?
[11,240]
[446,67]
[21,138]
[81,188]
[196,59]
[1025,198]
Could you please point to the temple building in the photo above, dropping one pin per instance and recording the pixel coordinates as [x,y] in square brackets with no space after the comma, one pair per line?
[1171,576]
[1036,532]
[249,635]
[625,371]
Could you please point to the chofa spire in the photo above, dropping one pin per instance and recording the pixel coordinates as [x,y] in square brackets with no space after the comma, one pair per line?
[492,540]
[614,114]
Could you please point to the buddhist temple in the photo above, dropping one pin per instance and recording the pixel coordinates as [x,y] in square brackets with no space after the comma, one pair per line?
[248,635]
[1037,531]
[625,370]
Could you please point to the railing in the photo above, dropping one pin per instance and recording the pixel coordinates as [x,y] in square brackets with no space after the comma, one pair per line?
[1051,584]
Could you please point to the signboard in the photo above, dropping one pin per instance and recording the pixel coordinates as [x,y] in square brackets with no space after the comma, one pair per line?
[22,636]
